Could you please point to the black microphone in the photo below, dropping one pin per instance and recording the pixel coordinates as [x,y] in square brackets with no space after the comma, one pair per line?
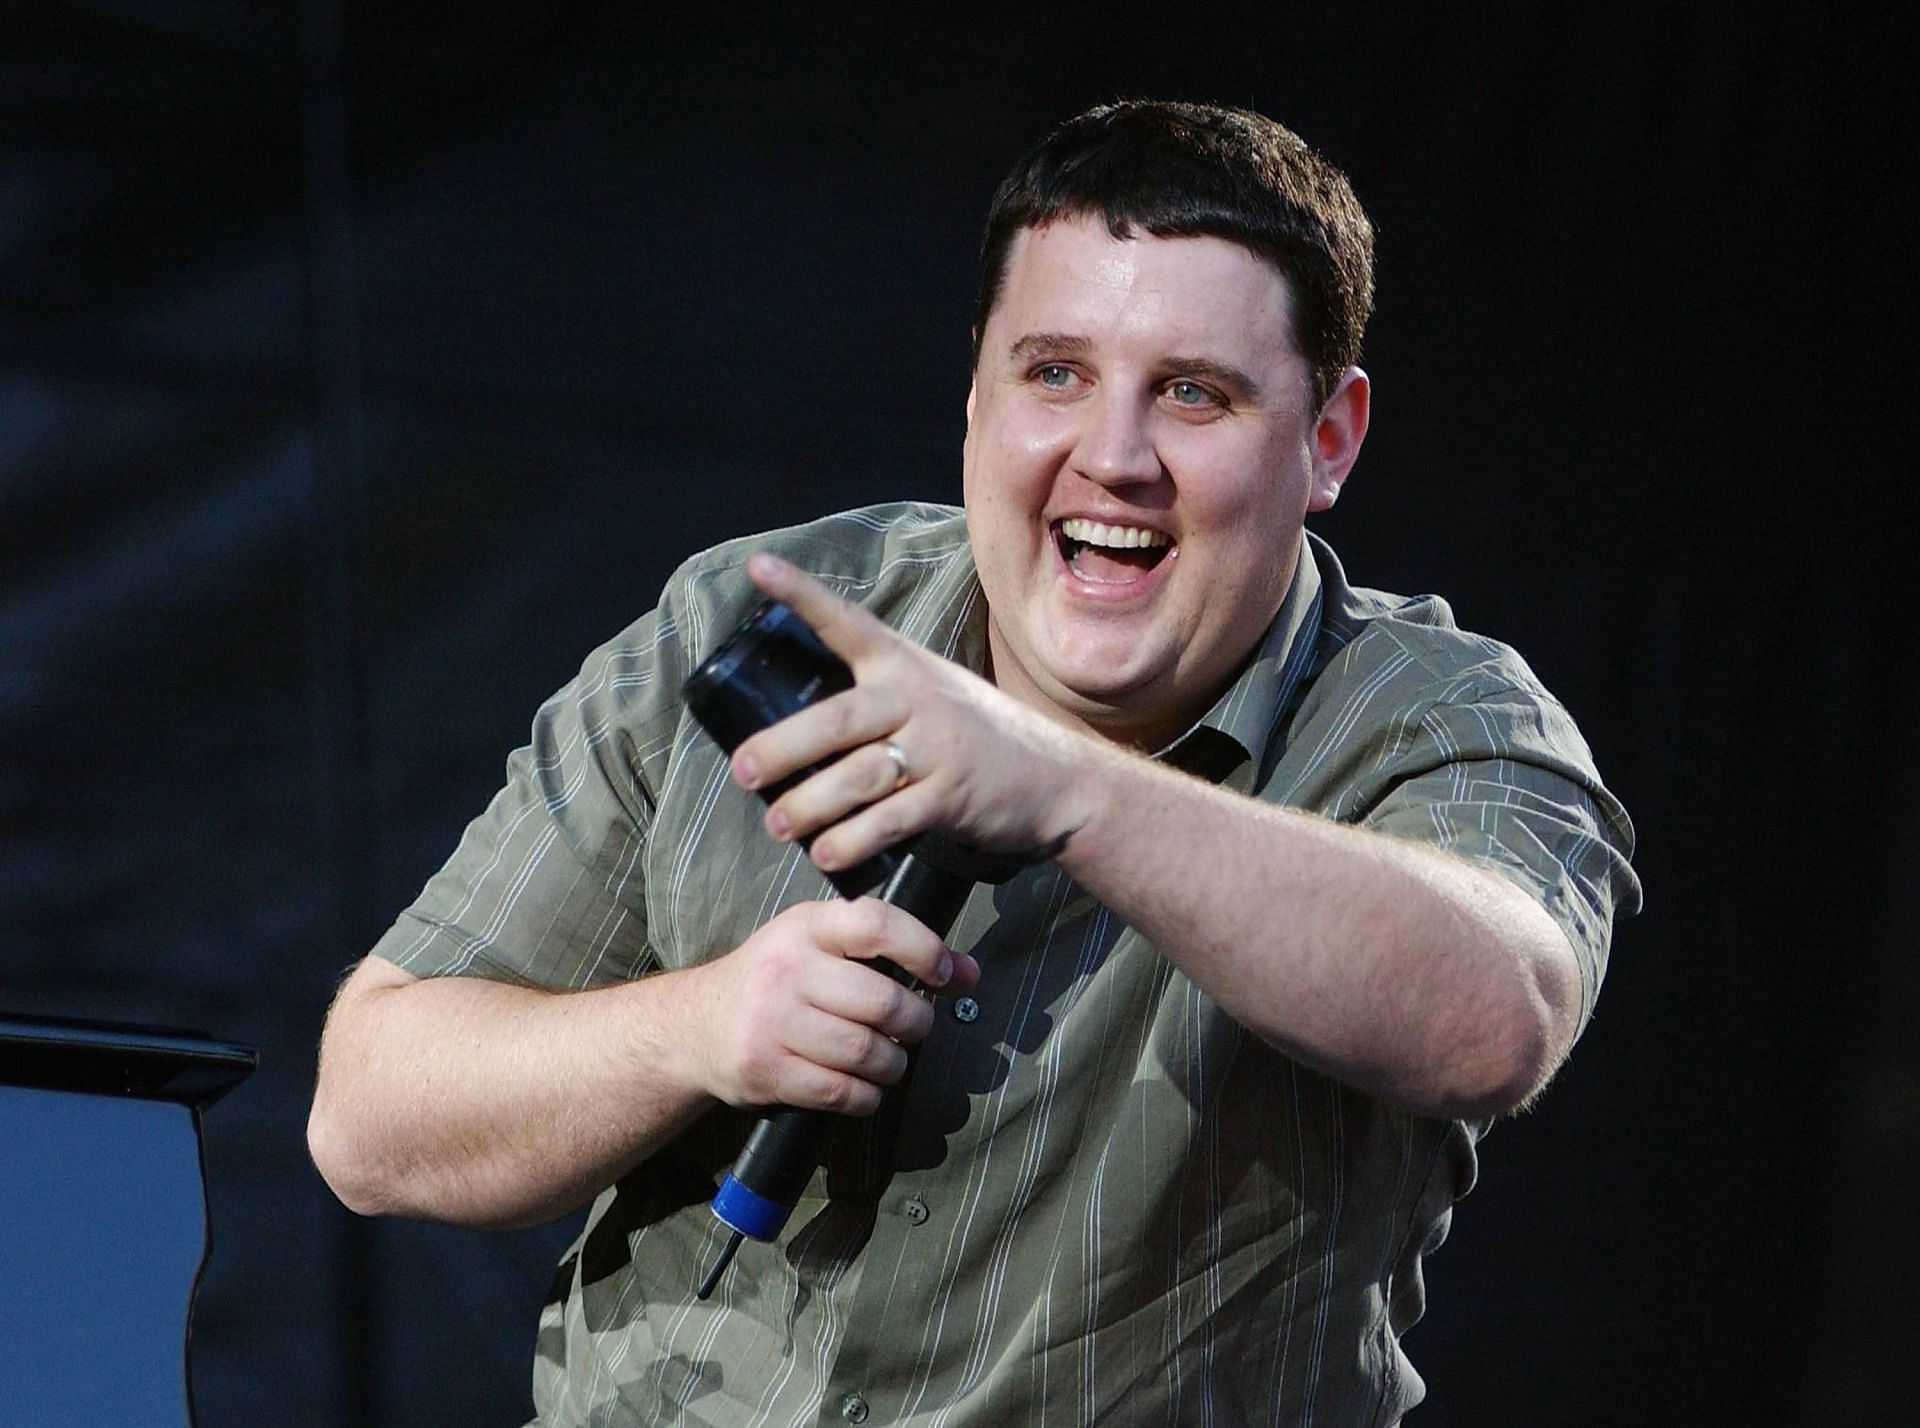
[773,666]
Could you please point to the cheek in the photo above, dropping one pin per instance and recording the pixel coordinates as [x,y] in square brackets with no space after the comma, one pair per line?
[1262,484]
[1009,469]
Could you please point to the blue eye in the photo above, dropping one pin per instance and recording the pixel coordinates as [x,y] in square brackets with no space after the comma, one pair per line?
[1189,394]
[1054,375]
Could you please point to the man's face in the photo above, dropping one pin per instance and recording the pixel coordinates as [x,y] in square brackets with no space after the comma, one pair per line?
[1140,454]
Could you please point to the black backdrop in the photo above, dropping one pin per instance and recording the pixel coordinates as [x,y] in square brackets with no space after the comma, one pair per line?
[363,366]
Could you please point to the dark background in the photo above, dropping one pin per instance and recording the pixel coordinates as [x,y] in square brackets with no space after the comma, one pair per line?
[362,366]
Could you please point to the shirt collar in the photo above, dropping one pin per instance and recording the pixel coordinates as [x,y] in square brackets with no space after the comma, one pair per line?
[1237,732]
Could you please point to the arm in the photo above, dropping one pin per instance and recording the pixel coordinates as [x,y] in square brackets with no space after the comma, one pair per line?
[1389,965]
[1405,970]
[483,1103]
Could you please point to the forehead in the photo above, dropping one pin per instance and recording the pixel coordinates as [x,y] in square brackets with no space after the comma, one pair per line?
[1074,278]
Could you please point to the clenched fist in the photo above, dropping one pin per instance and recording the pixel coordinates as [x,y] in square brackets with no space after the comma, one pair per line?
[798,1016]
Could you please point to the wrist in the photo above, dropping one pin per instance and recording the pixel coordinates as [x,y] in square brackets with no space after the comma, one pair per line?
[1092,808]
[668,1049]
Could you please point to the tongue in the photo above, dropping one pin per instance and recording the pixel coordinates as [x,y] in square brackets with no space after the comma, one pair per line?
[1106,566]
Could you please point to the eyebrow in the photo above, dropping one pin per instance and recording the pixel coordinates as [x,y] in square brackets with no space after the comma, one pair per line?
[1048,344]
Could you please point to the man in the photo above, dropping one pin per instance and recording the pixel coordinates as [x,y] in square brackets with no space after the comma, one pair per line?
[1195,1097]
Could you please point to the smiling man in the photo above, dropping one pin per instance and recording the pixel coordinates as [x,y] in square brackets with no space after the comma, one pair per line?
[1334,888]
[1143,443]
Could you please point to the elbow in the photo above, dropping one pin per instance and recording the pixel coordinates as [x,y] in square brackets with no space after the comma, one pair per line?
[339,1155]
[345,1124]
[1519,1071]
[373,1177]
[1501,1073]
[1502,1041]
[1528,1036]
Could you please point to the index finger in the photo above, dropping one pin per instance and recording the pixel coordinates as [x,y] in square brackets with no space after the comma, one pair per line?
[842,626]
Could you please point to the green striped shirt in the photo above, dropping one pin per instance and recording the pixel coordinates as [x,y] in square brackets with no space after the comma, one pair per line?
[1095,1198]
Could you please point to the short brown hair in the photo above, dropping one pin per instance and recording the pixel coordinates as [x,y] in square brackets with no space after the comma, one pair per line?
[1202,170]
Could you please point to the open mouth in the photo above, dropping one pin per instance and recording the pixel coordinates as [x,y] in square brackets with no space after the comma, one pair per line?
[1110,555]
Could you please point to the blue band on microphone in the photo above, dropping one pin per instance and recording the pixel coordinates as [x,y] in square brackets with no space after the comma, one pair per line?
[748,1211]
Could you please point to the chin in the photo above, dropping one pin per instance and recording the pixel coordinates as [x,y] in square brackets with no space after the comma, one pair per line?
[1102,697]
[1108,668]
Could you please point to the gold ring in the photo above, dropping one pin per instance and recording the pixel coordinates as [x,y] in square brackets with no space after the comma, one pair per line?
[901,778]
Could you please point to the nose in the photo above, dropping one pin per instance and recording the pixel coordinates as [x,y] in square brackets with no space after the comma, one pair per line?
[1116,446]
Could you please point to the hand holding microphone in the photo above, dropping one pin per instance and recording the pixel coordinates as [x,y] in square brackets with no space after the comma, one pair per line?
[770,669]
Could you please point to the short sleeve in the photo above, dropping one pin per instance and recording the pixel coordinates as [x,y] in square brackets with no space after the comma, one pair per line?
[1504,779]
[546,887]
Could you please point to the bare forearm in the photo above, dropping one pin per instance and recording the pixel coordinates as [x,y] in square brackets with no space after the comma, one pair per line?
[1388,965]
[479,1103]
[464,1100]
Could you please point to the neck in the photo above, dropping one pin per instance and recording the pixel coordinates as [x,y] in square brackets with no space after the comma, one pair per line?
[1143,732]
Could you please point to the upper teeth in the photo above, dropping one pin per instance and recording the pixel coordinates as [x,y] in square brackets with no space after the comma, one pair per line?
[1093,533]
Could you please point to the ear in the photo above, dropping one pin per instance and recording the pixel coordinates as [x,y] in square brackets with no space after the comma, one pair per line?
[971,386]
[1337,434]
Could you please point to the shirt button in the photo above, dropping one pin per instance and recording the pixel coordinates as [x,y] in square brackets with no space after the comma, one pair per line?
[915,1211]
[966,1009]
[853,1408]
